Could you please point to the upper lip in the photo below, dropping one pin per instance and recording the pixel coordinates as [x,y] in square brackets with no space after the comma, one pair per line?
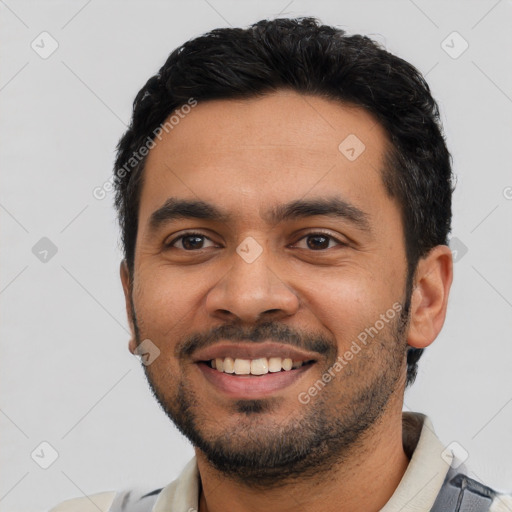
[252,351]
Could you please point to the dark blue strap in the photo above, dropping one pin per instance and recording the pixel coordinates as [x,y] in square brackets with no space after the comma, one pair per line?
[131,501]
[152,493]
[460,493]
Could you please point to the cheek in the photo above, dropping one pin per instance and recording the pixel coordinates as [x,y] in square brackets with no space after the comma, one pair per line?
[165,305]
[348,301]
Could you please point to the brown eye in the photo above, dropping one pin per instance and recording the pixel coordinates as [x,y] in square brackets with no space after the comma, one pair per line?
[318,242]
[192,242]
[189,242]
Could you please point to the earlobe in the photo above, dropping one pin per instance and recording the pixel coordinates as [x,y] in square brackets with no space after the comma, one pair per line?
[429,301]
[132,345]
[127,288]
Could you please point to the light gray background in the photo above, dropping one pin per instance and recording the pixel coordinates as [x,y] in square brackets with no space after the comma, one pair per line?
[67,376]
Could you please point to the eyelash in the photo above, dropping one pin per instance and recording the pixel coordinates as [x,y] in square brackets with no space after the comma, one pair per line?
[193,233]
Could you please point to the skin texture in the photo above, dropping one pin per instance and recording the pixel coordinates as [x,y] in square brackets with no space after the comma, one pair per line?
[343,449]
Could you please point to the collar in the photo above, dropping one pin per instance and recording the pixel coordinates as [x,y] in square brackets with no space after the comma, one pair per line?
[427,469]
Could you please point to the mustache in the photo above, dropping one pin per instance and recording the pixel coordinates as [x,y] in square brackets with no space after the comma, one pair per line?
[269,331]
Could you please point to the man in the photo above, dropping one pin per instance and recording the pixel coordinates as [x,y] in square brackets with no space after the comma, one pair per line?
[284,194]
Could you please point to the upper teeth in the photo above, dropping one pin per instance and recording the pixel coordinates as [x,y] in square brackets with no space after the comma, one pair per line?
[259,366]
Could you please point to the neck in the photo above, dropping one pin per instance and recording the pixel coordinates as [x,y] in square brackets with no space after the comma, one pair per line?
[365,481]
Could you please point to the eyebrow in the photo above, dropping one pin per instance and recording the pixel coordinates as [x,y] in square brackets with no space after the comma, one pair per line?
[175,208]
[336,207]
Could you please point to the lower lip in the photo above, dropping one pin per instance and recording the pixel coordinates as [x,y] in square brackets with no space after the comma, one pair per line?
[250,386]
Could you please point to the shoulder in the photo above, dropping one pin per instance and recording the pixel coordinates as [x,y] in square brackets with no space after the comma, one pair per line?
[462,493]
[139,498]
[129,500]
[93,503]
[501,503]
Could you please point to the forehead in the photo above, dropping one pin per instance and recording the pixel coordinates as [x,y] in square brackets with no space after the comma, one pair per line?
[270,149]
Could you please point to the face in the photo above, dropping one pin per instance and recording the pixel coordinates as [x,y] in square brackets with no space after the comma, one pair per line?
[262,243]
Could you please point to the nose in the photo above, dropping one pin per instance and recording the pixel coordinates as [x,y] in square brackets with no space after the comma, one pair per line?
[251,292]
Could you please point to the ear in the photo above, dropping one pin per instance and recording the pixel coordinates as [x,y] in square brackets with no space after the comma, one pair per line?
[127,288]
[432,282]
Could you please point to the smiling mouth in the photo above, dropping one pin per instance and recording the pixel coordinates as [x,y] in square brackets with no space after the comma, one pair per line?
[255,367]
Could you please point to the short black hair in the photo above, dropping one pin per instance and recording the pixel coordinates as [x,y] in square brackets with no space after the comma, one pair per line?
[303,55]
